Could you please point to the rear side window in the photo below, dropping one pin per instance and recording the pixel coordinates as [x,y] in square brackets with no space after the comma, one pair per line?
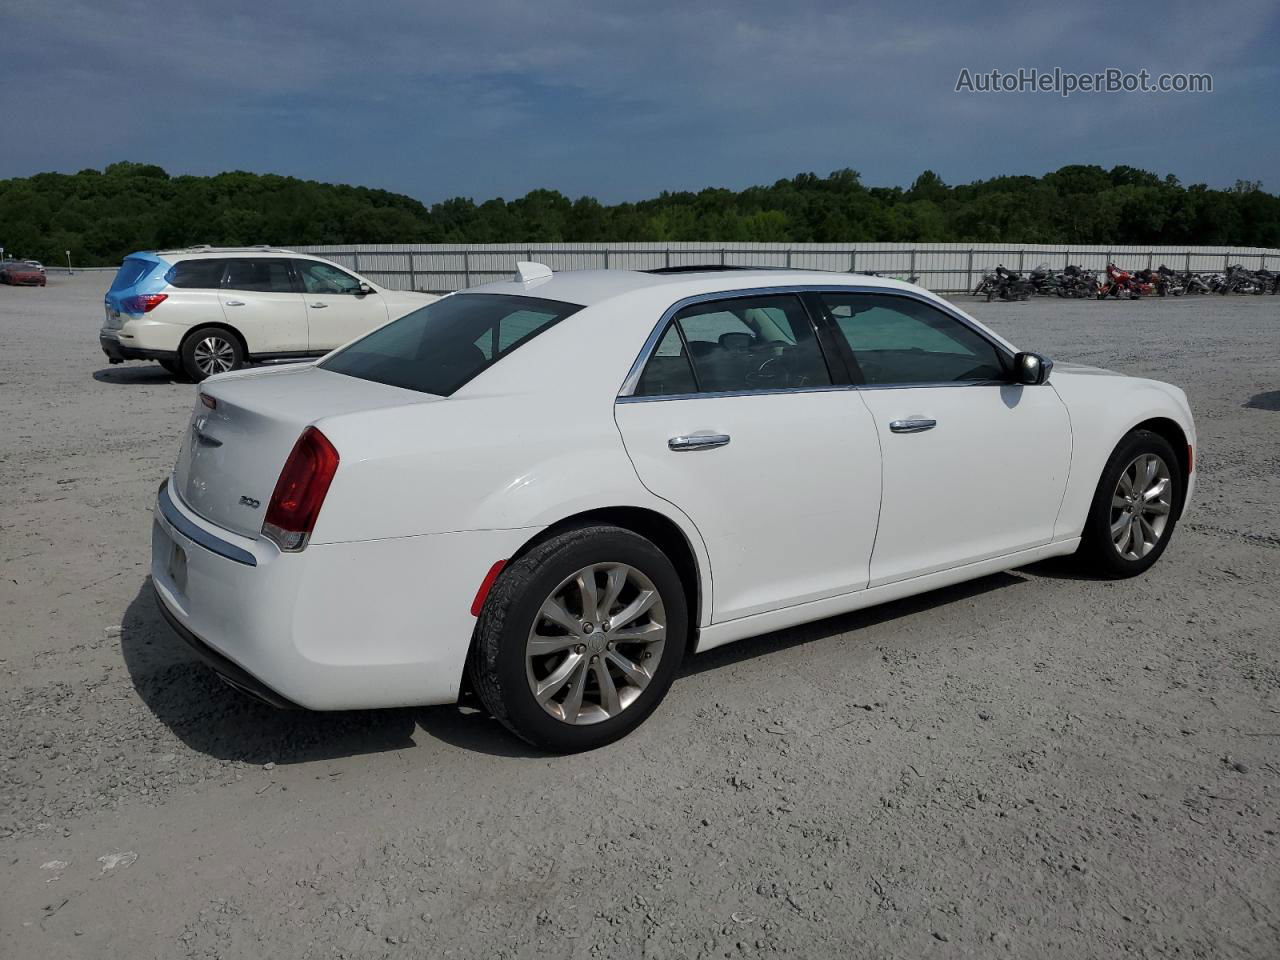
[668,372]
[131,271]
[443,346]
[196,274]
[259,275]
[734,346]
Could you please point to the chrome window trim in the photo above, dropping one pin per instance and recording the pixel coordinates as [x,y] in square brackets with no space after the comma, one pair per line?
[626,394]
[199,536]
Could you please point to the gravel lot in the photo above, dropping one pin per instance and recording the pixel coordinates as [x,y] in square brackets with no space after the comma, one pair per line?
[1030,765]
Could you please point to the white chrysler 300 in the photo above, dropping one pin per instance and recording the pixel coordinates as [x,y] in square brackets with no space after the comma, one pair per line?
[552,489]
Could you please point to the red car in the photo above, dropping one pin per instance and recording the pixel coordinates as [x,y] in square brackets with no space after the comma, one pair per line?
[17,273]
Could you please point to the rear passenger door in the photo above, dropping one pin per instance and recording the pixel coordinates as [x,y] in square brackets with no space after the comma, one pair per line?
[259,299]
[338,308]
[737,419]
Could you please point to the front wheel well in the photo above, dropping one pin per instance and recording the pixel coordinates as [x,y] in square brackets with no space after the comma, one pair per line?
[1171,431]
[653,526]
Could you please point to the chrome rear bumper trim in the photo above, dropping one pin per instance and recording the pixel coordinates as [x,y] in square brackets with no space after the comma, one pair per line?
[200,536]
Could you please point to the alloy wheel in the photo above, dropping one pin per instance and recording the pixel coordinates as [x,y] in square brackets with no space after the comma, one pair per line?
[214,355]
[596,643]
[1140,506]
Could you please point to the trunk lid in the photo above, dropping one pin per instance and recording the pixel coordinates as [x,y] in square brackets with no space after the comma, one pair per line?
[232,453]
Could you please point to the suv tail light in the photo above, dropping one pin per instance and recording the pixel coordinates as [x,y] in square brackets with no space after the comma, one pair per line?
[143,302]
[300,491]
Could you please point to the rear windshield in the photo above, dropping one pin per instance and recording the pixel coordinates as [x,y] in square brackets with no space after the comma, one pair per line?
[444,345]
[131,271]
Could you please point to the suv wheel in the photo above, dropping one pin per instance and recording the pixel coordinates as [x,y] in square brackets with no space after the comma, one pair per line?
[211,350]
[580,638]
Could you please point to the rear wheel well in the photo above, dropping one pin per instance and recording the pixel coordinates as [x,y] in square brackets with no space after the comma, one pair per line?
[217,326]
[1173,433]
[653,526]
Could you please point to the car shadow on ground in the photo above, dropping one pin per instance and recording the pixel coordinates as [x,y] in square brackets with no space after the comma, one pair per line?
[1264,401]
[210,717]
[186,696]
[142,375]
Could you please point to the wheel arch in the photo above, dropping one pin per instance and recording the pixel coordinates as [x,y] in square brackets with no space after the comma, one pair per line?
[217,325]
[657,527]
[1171,431]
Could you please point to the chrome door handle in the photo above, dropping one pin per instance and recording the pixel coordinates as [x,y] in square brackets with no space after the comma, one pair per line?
[699,441]
[317,306]
[918,425]
[233,303]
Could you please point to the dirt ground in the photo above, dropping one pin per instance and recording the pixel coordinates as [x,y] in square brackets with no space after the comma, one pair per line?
[1031,765]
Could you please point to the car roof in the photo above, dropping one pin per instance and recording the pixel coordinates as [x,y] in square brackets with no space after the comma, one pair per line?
[588,287]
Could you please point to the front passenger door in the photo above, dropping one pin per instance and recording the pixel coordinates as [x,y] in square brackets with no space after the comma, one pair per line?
[974,464]
[338,309]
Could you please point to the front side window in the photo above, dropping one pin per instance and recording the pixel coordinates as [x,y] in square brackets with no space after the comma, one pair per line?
[444,345]
[900,340]
[731,346]
[258,275]
[205,274]
[320,277]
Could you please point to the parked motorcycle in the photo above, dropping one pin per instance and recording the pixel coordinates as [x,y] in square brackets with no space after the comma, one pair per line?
[1119,284]
[1009,285]
[1077,282]
[1044,281]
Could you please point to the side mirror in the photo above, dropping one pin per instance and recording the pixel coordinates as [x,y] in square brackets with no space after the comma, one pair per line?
[1031,369]
[364,290]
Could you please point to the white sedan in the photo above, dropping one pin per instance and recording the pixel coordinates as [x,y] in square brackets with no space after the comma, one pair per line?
[550,490]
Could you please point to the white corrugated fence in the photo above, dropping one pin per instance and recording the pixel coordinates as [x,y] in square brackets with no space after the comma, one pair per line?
[944,267]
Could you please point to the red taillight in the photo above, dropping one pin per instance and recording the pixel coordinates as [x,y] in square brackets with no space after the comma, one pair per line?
[143,302]
[208,401]
[300,491]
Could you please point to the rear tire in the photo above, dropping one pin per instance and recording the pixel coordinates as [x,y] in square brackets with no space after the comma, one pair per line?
[1135,507]
[601,675]
[211,350]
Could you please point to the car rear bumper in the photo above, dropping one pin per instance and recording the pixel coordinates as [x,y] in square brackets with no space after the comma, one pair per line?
[340,626]
[118,350]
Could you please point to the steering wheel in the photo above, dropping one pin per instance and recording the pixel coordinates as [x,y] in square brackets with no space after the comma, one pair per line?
[772,373]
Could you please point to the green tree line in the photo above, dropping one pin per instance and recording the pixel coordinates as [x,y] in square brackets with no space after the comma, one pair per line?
[102,215]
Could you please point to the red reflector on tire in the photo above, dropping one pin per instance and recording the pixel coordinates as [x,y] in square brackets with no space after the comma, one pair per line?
[485,586]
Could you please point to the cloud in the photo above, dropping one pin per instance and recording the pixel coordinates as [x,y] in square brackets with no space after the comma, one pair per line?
[624,99]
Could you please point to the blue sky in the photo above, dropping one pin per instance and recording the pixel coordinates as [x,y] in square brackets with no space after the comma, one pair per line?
[623,100]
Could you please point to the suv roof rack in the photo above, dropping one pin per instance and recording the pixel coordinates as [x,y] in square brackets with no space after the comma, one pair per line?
[209,248]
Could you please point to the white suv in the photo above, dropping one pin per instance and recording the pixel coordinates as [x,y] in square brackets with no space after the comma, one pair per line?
[206,310]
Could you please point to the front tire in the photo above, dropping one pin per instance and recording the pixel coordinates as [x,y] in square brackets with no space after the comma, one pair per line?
[211,350]
[580,638]
[1135,508]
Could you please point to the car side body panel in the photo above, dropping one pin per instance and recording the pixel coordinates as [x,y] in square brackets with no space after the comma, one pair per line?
[1103,407]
